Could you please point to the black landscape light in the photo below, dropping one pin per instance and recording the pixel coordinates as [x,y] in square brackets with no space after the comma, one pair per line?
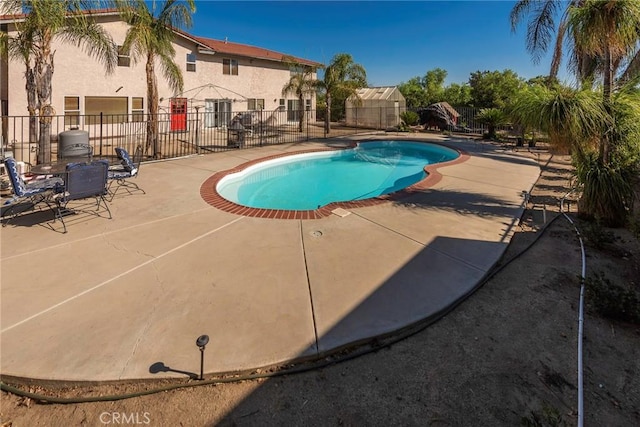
[201,342]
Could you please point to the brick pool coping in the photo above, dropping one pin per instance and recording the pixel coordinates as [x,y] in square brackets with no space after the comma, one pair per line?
[210,195]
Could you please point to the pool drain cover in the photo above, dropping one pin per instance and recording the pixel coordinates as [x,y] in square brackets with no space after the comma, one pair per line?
[316,233]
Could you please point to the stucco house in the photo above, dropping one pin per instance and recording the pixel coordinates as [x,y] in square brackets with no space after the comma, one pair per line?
[220,79]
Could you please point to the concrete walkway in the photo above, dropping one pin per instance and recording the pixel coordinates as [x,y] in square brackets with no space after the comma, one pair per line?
[123,298]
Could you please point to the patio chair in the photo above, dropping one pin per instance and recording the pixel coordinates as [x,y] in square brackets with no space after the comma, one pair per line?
[84,181]
[27,195]
[121,175]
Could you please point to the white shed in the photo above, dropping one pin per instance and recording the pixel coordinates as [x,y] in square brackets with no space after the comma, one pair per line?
[379,107]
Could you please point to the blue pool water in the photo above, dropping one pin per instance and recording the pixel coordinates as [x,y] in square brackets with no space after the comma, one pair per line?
[308,181]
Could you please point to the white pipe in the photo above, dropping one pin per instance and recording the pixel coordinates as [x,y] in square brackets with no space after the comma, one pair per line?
[580,316]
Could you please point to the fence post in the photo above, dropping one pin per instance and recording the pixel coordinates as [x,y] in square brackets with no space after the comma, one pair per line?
[101,121]
[197,129]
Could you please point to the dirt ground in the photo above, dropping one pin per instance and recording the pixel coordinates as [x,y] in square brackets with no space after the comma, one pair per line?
[506,356]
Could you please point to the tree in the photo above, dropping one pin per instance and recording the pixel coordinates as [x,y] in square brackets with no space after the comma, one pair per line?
[301,83]
[574,119]
[342,78]
[610,31]
[414,94]
[21,48]
[492,117]
[493,89]
[433,83]
[458,95]
[542,28]
[45,21]
[150,37]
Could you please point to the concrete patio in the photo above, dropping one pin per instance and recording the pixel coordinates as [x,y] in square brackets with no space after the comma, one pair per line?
[114,299]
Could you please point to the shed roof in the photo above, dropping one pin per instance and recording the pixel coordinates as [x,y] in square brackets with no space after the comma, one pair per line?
[377,93]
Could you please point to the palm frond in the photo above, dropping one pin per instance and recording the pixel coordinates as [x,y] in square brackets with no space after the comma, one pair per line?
[171,73]
[94,40]
[519,11]
[541,29]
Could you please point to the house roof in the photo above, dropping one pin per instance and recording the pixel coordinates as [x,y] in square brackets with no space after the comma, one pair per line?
[217,46]
[230,48]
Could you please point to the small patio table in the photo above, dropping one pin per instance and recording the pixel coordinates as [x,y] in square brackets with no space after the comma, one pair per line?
[55,168]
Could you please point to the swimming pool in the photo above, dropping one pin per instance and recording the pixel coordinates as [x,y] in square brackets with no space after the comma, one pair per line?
[311,180]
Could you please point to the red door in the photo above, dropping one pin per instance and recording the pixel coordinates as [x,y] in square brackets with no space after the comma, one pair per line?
[178,114]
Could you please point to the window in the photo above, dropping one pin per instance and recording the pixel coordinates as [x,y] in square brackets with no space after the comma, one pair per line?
[113,108]
[124,60]
[230,66]
[137,109]
[71,110]
[191,62]
[296,69]
[255,104]
[307,104]
[281,104]
[293,115]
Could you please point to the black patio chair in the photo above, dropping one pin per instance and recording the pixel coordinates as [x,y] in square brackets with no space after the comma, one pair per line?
[121,176]
[27,195]
[83,181]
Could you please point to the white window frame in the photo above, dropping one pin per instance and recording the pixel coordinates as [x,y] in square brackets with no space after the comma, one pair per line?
[191,63]
[69,113]
[232,65]
[124,59]
[255,104]
[137,114]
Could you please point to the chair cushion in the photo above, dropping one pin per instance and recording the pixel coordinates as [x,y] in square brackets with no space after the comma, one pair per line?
[40,185]
[125,159]
[118,174]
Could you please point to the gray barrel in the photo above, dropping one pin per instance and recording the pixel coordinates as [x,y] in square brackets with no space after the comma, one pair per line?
[73,143]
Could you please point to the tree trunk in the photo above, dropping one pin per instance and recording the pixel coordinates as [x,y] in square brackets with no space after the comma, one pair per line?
[43,73]
[152,100]
[327,119]
[301,109]
[605,144]
[32,104]
[491,131]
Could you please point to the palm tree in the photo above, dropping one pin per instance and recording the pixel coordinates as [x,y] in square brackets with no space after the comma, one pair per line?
[570,117]
[605,37]
[20,48]
[46,21]
[342,79]
[301,83]
[150,37]
[542,28]
[492,117]
[608,30]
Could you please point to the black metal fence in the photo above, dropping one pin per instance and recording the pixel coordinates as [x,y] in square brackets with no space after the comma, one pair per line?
[196,132]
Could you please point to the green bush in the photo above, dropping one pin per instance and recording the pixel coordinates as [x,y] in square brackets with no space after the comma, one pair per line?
[612,300]
[607,189]
[411,118]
